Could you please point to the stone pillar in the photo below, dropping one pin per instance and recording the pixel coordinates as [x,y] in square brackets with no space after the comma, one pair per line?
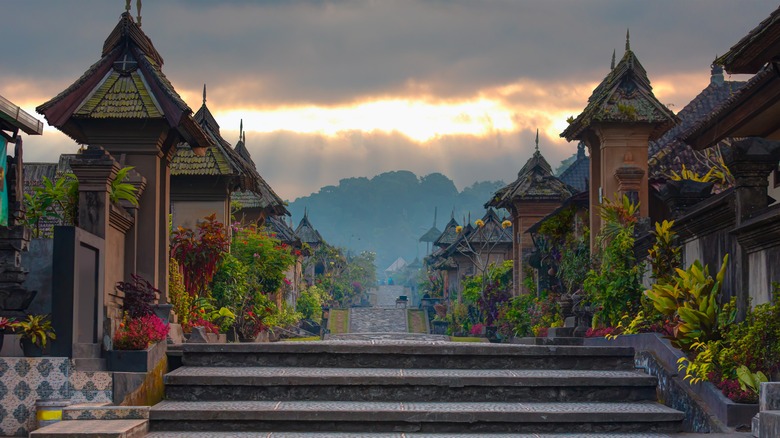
[95,170]
[594,187]
[131,238]
[751,162]
[624,146]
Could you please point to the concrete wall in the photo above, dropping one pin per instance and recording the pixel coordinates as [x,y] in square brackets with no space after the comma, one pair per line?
[188,213]
[38,261]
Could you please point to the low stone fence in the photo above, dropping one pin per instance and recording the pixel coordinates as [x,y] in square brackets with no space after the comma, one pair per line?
[706,408]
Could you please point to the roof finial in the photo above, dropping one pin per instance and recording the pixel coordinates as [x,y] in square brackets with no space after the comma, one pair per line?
[241,130]
[305,213]
[452,215]
[435,211]
[612,65]
[628,41]
[204,94]
[537,139]
[127,6]
[138,7]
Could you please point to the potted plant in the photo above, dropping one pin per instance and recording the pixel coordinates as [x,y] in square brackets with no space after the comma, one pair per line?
[6,325]
[138,344]
[35,332]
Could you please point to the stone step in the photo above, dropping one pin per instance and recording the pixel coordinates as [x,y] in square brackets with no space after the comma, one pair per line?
[386,384]
[94,429]
[408,354]
[427,417]
[410,435]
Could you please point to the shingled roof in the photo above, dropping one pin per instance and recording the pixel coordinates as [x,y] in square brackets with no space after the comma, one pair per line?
[433,233]
[282,231]
[126,83]
[307,233]
[669,152]
[449,235]
[219,159]
[755,49]
[490,233]
[625,95]
[261,195]
[577,174]
[535,182]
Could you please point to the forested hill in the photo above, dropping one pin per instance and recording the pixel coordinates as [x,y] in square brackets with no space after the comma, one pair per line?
[388,213]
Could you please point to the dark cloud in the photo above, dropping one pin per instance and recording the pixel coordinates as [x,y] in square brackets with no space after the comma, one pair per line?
[328,52]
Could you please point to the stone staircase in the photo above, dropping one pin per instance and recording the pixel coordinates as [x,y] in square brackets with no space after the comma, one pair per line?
[365,388]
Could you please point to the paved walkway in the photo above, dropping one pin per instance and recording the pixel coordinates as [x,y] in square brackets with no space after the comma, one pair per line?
[377,320]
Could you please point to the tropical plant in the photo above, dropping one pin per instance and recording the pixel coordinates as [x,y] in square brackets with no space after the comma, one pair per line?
[6,324]
[665,256]
[310,302]
[178,296]
[198,253]
[230,284]
[121,190]
[56,200]
[37,329]
[139,333]
[613,286]
[750,380]
[691,302]
[140,294]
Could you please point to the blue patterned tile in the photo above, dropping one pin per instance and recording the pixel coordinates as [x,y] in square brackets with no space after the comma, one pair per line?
[45,367]
[3,413]
[22,368]
[44,390]
[65,368]
[22,390]
[64,390]
[3,367]
[22,431]
[21,413]
[3,391]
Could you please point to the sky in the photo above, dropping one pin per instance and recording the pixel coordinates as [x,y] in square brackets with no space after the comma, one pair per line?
[336,89]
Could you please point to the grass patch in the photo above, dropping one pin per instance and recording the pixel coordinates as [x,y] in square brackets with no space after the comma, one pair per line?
[306,339]
[416,321]
[467,339]
[339,321]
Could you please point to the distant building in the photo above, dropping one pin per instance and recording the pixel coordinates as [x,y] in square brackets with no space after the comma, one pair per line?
[533,195]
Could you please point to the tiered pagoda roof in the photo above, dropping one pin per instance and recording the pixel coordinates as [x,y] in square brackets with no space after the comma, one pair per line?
[535,182]
[307,233]
[126,83]
[625,95]
[577,174]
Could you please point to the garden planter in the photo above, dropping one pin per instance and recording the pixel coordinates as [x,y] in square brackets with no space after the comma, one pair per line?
[440,327]
[30,349]
[135,361]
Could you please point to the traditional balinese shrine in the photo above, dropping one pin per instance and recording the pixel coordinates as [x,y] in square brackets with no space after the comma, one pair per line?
[128,113]
[201,185]
[621,118]
[533,195]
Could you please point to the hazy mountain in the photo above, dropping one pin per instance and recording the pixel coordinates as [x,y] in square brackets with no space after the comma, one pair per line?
[388,213]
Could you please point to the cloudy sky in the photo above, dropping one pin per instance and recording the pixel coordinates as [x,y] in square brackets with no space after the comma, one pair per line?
[334,89]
